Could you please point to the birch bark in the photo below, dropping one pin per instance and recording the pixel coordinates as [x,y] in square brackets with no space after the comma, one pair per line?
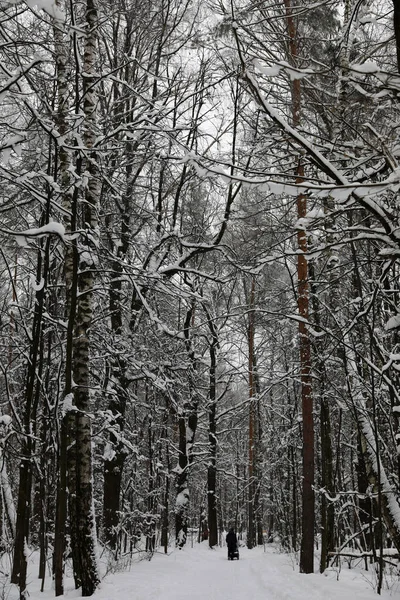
[85,532]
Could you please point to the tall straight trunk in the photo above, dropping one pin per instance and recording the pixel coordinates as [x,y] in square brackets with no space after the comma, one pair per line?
[212,442]
[63,177]
[327,484]
[292,459]
[61,512]
[19,570]
[84,546]
[187,426]
[115,457]
[251,531]
[394,373]
[84,533]
[32,394]
[41,491]
[115,460]
[182,486]
[396,27]
[308,500]
[113,469]
[187,423]
[165,516]
[8,505]
[327,507]
[150,525]
[237,490]
[364,500]
[212,434]
[258,508]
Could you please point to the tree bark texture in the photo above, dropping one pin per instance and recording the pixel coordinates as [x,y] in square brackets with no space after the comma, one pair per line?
[251,531]
[182,489]
[32,395]
[165,514]
[327,507]
[84,545]
[308,500]
[212,441]
[114,462]
[187,426]
[61,512]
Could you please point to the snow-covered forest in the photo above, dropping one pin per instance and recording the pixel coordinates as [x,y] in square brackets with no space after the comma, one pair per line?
[200,281]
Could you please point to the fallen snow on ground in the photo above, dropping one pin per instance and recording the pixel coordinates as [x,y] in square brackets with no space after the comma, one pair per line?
[199,573]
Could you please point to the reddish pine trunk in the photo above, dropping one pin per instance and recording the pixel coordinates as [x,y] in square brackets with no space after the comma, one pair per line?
[308,500]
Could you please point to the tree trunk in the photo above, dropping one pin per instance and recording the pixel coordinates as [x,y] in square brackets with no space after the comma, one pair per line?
[212,435]
[369,452]
[8,505]
[61,512]
[84,544]
[66,420]
[187,426]
[150,521]
[182,489]
[113,468]
[308,500]
[327,485]
[294,478]
[32,395]
[396,27]
[327,507]
[19,569]
[115,459]
[251,531]
[165,519]
[212,441]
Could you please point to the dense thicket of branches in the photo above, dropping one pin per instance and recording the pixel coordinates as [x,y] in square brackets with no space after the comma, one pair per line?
[199,305]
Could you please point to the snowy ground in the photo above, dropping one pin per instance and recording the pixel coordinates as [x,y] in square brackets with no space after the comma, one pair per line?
[199,573]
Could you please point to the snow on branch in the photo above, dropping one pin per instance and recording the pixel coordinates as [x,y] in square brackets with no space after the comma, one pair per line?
[50,7]
[18,74]
[341,191]
[13,144]
[282,65]
[361,194]
[52,228]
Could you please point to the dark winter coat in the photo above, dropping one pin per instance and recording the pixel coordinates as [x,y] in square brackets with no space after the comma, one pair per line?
[231,540]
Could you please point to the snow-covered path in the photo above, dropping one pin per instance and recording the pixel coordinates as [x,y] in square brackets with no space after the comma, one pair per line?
[202,574]
[199,573]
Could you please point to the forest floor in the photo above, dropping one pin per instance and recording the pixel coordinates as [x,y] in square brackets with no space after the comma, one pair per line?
[198,573]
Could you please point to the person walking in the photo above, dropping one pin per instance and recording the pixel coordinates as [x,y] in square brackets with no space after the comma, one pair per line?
[231,542]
